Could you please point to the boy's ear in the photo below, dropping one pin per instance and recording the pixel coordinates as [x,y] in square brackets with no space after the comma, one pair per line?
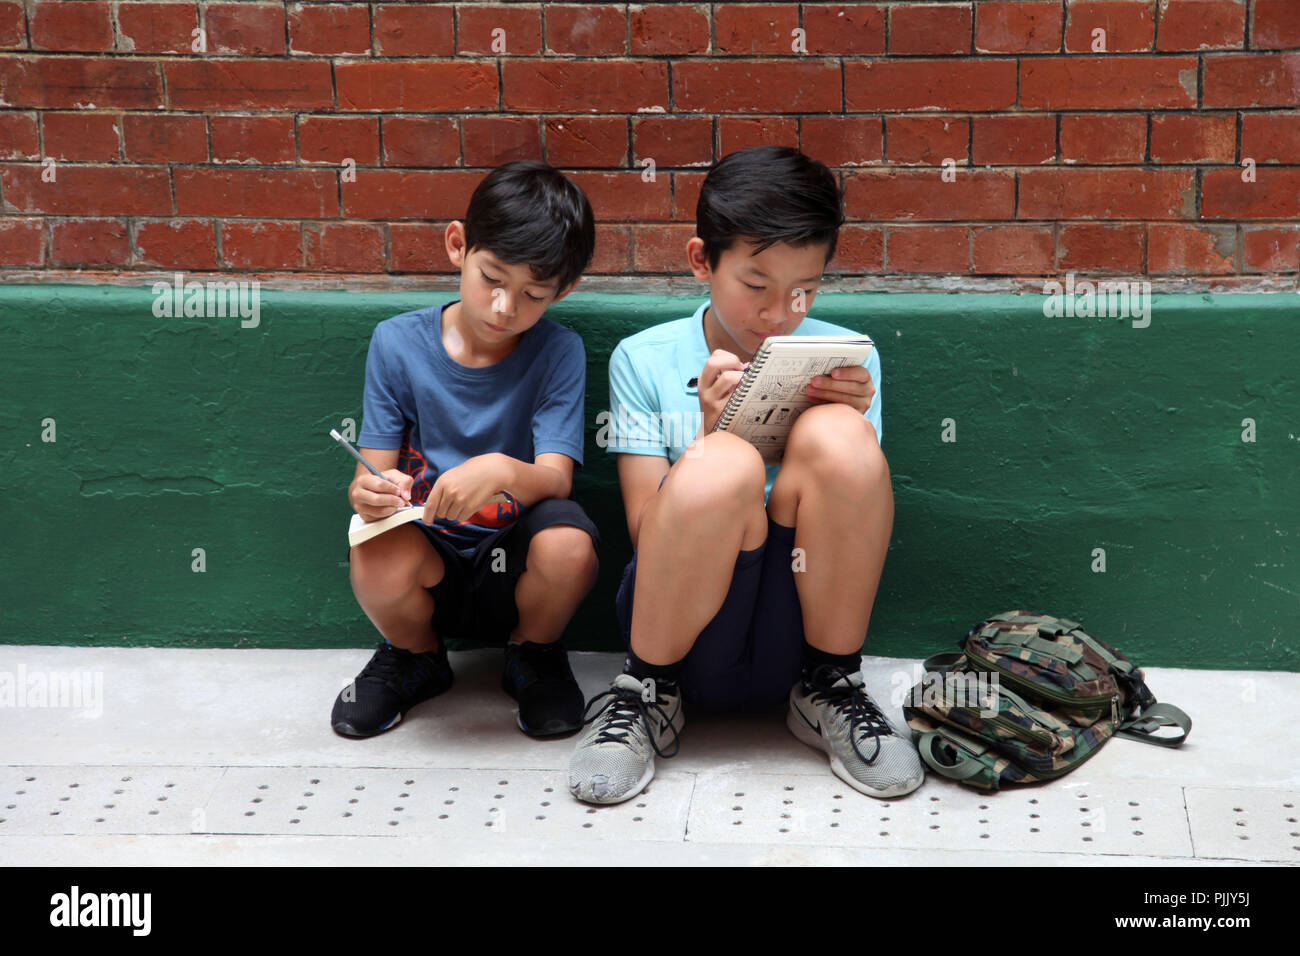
[695,258]
[454,241]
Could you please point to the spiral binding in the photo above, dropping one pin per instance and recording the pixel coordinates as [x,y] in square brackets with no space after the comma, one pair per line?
[738,396]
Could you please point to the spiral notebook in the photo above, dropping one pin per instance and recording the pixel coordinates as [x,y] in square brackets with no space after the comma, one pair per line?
[771,396]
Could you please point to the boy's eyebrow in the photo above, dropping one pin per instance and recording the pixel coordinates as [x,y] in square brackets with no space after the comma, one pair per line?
[755,270]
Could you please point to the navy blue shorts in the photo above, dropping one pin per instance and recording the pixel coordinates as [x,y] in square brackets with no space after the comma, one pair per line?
[749,655]
[475,600]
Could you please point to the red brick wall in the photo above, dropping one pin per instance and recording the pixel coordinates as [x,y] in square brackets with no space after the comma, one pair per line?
[1174,153]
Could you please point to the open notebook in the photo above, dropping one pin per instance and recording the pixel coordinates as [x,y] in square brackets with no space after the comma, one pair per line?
[771,395]
[359,529]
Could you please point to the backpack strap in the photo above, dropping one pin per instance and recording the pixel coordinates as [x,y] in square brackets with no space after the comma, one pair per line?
[1144,726]
[963,768]
[941,663]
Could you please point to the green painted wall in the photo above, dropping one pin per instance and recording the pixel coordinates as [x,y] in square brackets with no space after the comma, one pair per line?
[1072,434]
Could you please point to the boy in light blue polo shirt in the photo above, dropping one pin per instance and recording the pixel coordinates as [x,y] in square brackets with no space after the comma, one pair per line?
[746,579]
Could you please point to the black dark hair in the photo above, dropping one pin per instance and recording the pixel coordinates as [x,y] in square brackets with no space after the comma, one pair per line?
[768,194]
[527,211]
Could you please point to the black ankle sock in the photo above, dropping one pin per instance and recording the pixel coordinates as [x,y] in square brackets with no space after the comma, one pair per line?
[664,675]
[814,660]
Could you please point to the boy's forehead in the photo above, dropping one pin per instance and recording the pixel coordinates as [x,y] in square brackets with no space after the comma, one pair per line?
[523,269]
[779,259]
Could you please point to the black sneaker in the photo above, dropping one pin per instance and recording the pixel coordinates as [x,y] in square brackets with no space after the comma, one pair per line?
[539,677]
[392,683]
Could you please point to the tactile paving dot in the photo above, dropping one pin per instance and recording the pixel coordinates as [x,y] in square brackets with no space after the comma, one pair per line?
[457,803]
[104,799]
[1059,818]
[1245,824]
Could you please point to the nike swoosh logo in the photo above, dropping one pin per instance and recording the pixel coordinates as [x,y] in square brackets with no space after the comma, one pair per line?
[817,727]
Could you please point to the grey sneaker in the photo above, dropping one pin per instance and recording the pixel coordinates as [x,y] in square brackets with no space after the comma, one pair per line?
[864,750]
[615,758]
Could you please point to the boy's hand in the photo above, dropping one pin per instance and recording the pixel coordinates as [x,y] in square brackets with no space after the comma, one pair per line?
[373,498]
[722,373]
[851,385]
[461,491]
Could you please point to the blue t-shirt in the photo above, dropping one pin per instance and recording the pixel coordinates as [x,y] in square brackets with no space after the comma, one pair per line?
[652,408]
[438,413]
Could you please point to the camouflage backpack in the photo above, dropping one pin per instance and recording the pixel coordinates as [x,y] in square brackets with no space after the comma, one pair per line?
[1029,698]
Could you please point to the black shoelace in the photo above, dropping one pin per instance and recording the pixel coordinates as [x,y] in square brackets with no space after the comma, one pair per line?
[623,708]
[389,666]
[864,717]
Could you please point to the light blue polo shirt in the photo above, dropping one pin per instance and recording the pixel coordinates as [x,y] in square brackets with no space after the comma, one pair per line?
[652,409]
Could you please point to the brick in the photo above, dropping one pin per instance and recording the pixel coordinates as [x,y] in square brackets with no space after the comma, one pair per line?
[332,139]
[756,86]
[1013,140]
[1102,248]
[1276,25]
[742,132]
[417,247]
[71,82]
[1130,26]
[1108,82]
[329,29]
[660,248]
[844,29]
[1201,25]
[566,86]
[1018,26]
[930,28]
[252,139]
[344,247]
[586,140]
[613,254]
[71,25]
[927,139]
[521,26]
[938,249]
[673,140]
[88,190]
[1271,137]
[493,140]
[668,29]
[156,27]
[858,249]
[624,197]
[261,245]
[1266,79]
[22,242]
[922,194]
[1270,249]
[1014,250]
[89,242]
[256,28]
[288,193]
[18,136]
[755,28]
[416,86]
[1107,194]
[1103,138]
[843,140]
[409,194]
[82,137]
[589,29]
[896,85]
[1275,194]
[686,195]
[249,84]
[414,29]
[177,243]
[162,138]
[1193,137]
[1186,249]
[421,141]
[13,27]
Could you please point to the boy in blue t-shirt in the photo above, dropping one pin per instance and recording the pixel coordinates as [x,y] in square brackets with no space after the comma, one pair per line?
[463,400]
[746,580]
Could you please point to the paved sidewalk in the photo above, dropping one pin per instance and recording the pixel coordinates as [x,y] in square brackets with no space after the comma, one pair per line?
[219,757]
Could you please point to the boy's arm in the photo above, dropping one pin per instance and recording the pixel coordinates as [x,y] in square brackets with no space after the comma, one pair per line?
[549,476]
[638,478]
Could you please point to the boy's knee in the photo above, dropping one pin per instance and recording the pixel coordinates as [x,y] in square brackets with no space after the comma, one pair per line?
[564,551]
[390,565]
[838,440]
[722,468]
